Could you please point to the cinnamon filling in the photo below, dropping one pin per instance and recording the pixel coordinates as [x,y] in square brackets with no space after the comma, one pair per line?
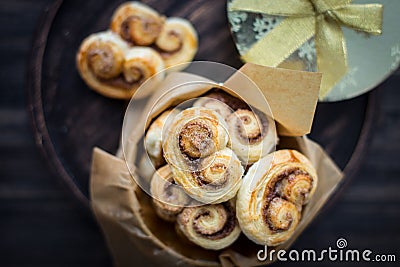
[174,37]
[104,60]
[274,191]
[203,180]
[196,140]
[233,102]
[149,30]
[135,75]
[107,68]
[212,104]
[276,221]
[226,229]
[125,34]
[120,82]
[200,179]
[252,135]
[101,61]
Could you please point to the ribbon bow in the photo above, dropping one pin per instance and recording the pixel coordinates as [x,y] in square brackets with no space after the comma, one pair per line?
[304,19]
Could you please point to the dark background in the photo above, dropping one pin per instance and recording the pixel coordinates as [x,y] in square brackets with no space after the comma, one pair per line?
[41,224]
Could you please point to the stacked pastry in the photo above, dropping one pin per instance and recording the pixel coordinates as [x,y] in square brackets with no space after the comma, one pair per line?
[139,44]
[218,176]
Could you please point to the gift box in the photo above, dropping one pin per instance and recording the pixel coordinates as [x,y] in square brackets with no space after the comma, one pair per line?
[337,38]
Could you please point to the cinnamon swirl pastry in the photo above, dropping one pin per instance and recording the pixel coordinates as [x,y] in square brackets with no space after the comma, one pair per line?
[217,179]
[270,201]
[177,42]
[168,198]
[137,23]
[210,226]
[195,148]
[111,68]
[219,96]
[140,64]
[214,104]
[253,134]
[195,133]
[153,138]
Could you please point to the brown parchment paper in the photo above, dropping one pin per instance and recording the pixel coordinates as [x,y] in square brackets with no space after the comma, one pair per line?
[124,211]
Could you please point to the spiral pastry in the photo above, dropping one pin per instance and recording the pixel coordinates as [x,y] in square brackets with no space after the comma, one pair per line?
[140,64]
[214,104]
[153,138]
[177,42]
[111,68]
[168,198]
[219,96]
[137,23]
[270,201]
[217,179]
[210,226]
[253,134]
[195,133]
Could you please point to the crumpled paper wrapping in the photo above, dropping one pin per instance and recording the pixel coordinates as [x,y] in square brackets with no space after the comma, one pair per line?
[134,233]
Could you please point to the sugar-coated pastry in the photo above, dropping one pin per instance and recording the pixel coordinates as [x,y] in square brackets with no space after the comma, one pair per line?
[253,134]
[177,42]
[110,67]
[140,64]
[212,227]
[195,148]
[194,133]
[168,198]
[272,195]
[217,179]
[137,23]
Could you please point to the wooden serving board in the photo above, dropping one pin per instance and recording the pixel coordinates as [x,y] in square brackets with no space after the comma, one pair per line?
[69,119]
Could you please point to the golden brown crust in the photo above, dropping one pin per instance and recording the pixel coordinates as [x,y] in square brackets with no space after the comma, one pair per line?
[177,43]
[184,144]
[174,38]
[270,201]
[110,67]
[253,134]
[168,198]
[117,62]
[217,179]
[137,23]
[210,226]
[195,148]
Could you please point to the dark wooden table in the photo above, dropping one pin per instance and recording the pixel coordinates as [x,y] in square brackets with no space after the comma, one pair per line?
[42,224]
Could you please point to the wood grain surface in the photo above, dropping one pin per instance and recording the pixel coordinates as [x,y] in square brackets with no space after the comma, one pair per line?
[42,224]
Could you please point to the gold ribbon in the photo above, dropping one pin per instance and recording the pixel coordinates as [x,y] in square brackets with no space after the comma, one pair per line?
[304,19]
